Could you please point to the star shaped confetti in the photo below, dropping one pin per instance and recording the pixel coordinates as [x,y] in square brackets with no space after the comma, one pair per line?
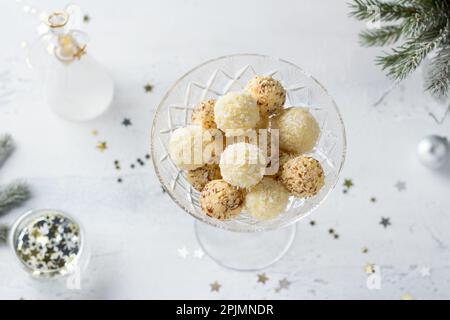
[199,253]
[283,284]
[102,146]
[86,18]
[348,183]
[262,278]
[126,122]
[183,252]
[425,271]
[94,132]
[80,52]
[369,268]
[385,222]
[148,88]
[215,286]
[401,186]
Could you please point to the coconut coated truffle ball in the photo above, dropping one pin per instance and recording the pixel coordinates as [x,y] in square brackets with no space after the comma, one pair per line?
[199,177]
[203,114]
[269,94]
[302,176]
[220,200]
[242,165]
[298,130]
[187,147]
[236,110]
[266,200]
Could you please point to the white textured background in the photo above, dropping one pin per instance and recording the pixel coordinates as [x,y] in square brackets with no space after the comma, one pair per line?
[135,230]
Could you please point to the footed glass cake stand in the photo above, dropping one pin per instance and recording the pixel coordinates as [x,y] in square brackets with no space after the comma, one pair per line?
[245,243]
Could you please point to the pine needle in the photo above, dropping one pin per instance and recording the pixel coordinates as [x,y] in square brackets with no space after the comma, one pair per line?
[6,147]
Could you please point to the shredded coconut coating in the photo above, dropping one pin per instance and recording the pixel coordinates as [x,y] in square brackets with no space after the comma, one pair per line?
[269,94]
[242,165]
[199,177]
[302,176]
[203,114]
[266,200]
[220,200]
[188,147]
[236,110]
[298,130]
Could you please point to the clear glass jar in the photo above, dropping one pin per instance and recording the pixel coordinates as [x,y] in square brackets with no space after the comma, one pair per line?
[49,244]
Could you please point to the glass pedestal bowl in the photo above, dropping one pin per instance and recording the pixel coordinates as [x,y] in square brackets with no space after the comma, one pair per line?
[245,243]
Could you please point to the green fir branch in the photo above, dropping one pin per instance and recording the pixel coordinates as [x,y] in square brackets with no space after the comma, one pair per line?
[13,195]
[364,10]
[380,37]
[406,58]
[424,26]
[438,76]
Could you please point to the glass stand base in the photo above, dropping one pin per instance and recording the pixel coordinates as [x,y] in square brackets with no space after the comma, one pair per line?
[244,251]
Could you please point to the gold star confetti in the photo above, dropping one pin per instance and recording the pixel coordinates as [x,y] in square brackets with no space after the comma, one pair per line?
[148,88]
[215,286]
[80,52]
[102,146]
[262,278]
[94,132]
[369,268]
[407,296]
[348,183]
[365,250]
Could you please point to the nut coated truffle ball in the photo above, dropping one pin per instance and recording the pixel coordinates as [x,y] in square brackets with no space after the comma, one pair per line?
[188,146]
[269,94]
[298,130]
[201,176]
[236,110]
[283,158]
[266,200]
[302,176]
[203,114]
[242,165]
[220,200]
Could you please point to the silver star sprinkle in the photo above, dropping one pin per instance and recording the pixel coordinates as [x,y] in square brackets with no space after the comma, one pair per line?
[183,252]
[401,186]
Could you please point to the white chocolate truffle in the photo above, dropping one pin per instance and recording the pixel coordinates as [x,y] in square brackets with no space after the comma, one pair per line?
[236,110]
[220,200]
[302,176]
[188,146]
[242,165]
[266,200]
[298,130]
[201,176]
[269,94]
[203,114]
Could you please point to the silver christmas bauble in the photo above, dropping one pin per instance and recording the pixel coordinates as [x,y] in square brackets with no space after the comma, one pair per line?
[433,151]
